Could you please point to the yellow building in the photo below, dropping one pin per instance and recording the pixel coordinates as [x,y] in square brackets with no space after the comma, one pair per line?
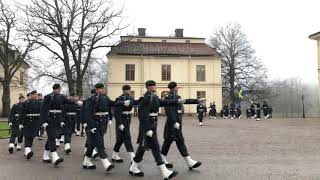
[19,81]
[316,36]
[190,62]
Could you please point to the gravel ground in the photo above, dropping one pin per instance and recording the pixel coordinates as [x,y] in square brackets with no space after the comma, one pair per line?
[229,149]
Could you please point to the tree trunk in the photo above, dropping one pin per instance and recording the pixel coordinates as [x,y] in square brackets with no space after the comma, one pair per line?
[79,87]
[232,90]
[6,99]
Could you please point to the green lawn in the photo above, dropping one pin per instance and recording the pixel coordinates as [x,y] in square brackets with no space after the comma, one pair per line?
[4,125]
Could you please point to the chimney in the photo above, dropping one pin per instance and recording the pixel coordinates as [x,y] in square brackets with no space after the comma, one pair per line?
[179,32]
[142,31]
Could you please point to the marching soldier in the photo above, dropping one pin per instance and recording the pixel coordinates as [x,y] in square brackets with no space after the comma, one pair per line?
[78,123]
[270,111]
[252,111]
[232,111]
[258,111]
[13,122]
[200,112]
[238,113]
[70,110]
[41,131]
[248,112]
[213,111]
[52,118]
[29,122]
[96,114]
[265,109]
[226,111]
[123,121]
[148,116]
[173,128]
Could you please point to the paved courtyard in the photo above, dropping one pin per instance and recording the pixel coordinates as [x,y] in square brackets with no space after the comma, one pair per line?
[229,149]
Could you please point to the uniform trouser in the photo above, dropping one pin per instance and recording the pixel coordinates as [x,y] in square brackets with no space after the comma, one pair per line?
[180,144]
[265,113]
[151,143]
[96,140]
[78,124]
[13,138]
[258,114]
[41,131]
[28,141]
[200,117]
[67,138]
[122,138]
[212,114]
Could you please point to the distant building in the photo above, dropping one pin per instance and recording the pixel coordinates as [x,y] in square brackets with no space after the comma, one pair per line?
[316,36]
[19,81]
[190,62]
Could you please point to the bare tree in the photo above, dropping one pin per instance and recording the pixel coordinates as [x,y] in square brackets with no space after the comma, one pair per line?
[71,31]
[12,57]
[240,66]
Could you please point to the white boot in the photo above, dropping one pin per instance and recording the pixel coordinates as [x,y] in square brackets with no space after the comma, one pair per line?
[94,153]
[215,118]
[11,146]
[67,148]
[46,157]
[77,133]
[19,147]
[200,124]
[62,139]
[85,150]
[192,163]
[164,159]
[55,158]
[134,171]
[258,119]
[131,155]
[115,157]
[57,142]
[87,164]
[167,174]
[28,152]
[107,165]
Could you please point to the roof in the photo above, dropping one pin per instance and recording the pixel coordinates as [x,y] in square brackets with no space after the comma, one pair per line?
[163,49]
[163,37]
[315,35]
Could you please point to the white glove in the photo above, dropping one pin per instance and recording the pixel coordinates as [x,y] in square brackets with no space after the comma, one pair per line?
[93,130]
[182,101]
[84,125]
[62,124]
[127,103]
[149,133]
[20,127]
[121,127]
[176,125]
[45,125]
[10,124]
[109,122]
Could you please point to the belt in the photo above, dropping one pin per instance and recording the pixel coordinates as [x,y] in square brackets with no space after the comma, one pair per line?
[179,111]
[126,112]
[101,113]
[71,113]
[16,115]
[55,111]
[153,114]
[32,115]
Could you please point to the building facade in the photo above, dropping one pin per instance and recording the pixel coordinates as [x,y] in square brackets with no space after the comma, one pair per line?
[191,63]
[316,36]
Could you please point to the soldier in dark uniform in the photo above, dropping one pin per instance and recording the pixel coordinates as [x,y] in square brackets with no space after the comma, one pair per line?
[52,118]
[232,110]
[226,111]
[123,121]
[96,114]
[201,108]
[29,122]
[248,112]
[270,111]
[258,111]
[78,123]
[265,109]
[41,131]
[252,111]
[213,111]
[173,128]
[238,113]
[13,122]
[70,110]
[148,110]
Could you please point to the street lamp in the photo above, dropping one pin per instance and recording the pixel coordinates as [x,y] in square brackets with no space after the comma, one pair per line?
[303,114]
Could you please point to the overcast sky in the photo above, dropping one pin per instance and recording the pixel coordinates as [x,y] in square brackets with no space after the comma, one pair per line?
[278,29]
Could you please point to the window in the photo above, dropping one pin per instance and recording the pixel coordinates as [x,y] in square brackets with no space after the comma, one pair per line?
[21,78]
[166,72]
[201,72]
[201,94]
[130,71]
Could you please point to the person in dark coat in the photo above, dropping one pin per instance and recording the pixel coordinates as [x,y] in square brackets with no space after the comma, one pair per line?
[232,111]
[70,111]
[13,122]
[213,111]
[258,111]
[29,122]
[226,111]
[270,112]
[148,111]
[173,128]
[252,111]
[41,131]
[53,120]
[238,113]
[201,109]
[123,122]
[265,109]
[97,117]
[248,112]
